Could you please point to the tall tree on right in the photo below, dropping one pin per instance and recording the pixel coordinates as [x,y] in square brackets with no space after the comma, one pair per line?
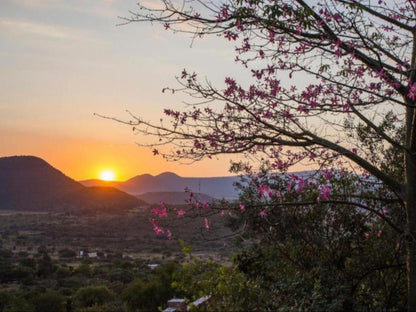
[319,69]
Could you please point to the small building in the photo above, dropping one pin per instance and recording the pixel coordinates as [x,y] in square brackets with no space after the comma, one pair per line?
[92,255]
[180,305]
[153,266]
[176,305]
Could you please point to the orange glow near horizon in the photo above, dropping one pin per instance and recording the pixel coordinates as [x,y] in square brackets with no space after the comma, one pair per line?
[107,175]
[124,159]
[84,158]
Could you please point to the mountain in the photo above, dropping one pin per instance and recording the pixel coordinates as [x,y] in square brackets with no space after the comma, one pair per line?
[172,198]
[103,198]
[30,183]
[216,187]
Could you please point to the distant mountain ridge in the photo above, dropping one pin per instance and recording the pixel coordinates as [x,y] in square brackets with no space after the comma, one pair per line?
[30,183]
[216,187]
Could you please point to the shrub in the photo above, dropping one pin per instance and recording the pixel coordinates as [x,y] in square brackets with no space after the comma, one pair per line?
[89,296]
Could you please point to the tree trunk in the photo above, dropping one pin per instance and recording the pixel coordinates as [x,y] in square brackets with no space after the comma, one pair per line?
[411,244]
[410,201]
[411,276]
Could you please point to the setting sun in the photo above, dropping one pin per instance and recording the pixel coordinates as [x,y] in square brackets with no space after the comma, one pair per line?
[107,175]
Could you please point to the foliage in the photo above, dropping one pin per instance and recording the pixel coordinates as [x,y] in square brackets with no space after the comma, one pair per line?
[67,253]
[102,285]
[5,298]
[49,302]
[148,295]
[89,296]
[103,308]
[230,290]
[340,255]
[45,266]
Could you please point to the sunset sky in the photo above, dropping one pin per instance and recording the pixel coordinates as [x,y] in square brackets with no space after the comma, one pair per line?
[62,61]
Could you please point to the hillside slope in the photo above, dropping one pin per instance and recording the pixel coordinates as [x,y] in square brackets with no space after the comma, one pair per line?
[30,183]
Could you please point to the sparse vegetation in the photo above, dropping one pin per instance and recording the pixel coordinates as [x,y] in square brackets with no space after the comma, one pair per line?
[73,262]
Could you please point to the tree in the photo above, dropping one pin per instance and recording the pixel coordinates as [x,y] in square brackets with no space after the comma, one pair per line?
[229,289]
[67,253]
[149,294]
[304,256]
[49,301]
[325,257]
[319,70]
[89,296]
[45,266]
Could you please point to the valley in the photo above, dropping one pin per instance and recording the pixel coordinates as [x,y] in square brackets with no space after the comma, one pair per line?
[128,234]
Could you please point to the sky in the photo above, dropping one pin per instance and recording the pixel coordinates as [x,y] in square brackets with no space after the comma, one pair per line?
[62,61]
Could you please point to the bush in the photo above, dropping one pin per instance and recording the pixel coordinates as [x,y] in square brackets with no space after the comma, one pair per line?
[24,274]
[89,296]
[67,253]
[51,301]
[120,275]
[103,308]
[84,269]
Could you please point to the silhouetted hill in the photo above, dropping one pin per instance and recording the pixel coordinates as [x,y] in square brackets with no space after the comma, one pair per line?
[216,187]
[30,183]
[103,198]
[172,198]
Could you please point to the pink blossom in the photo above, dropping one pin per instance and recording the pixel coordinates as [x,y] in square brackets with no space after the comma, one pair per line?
[337,17]
[184,74]
[328,174]
[231,36]
[161,213]
[242,208]
[346,107]
[239,25]
[301,185]
[324,191]
[191,195]
[262,189]
[180,213]
[169,234]
[157,229]
[205,206]
[263,213]
[206,223]
[338,52]
[412,91]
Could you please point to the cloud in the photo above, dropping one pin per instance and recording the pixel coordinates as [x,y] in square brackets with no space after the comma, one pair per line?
[26,27]
[30,3]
